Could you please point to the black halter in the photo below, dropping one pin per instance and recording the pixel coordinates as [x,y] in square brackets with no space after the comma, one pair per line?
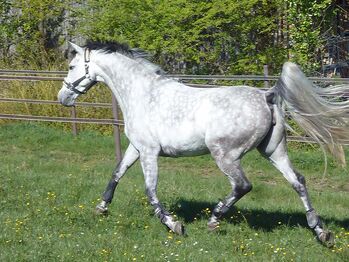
[72,86]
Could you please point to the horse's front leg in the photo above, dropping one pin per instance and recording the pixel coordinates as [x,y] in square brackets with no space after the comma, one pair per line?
[131,156]
[150,171]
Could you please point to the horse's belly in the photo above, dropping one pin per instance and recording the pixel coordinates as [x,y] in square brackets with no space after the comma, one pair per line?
[190,147]
[178,152]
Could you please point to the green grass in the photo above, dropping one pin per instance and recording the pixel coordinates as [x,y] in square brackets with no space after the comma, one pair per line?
[51,182]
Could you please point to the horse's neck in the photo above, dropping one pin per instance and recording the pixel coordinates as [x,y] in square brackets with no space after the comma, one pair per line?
[125,80]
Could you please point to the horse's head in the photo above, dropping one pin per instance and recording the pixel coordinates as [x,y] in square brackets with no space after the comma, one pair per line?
[81,76]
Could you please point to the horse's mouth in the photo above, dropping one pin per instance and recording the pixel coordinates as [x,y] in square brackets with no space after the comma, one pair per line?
[66,97]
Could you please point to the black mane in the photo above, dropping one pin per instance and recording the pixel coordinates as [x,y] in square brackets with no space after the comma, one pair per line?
[124,49]
[108,46]
[113,46]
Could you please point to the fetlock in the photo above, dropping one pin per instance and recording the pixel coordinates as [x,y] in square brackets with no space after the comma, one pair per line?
[220,209]
[313,219]
[161,213]
[102,208]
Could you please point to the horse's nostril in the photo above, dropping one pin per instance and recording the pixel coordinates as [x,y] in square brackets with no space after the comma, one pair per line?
[65,97]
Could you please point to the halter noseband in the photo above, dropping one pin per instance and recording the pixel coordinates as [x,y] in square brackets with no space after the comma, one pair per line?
[72,86]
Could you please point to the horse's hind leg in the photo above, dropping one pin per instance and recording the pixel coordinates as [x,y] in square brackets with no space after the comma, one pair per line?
[131,155]
[239,183]
[279,157]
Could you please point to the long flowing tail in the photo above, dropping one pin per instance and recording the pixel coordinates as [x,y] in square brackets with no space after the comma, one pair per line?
[321,112]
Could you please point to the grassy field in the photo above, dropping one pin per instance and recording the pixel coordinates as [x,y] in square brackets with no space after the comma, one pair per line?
[51,182]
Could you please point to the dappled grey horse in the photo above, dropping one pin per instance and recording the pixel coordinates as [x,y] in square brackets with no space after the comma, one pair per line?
[166,118]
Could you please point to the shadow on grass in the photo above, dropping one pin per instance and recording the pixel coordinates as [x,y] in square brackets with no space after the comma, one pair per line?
[258,219]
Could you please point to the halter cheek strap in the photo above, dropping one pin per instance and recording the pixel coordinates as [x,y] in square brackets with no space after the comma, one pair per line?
[73,86]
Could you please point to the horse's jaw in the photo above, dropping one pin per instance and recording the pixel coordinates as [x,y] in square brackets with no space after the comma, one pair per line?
[67,97]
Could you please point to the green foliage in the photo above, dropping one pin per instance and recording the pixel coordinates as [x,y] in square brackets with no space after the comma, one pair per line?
[308,23]
[33,29]
[210,37]
[8,26]
[205,37]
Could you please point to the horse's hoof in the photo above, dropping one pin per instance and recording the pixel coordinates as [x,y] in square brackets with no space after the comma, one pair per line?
[326,238]
[212,226]
[101,210]
[178,228]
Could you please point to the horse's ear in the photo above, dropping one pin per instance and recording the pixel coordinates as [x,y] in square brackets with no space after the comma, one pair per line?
[76,48]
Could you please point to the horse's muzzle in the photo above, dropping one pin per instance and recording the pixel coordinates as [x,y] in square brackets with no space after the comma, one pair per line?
[67,97]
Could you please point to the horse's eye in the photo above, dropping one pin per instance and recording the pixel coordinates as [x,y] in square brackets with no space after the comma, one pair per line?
[71,67]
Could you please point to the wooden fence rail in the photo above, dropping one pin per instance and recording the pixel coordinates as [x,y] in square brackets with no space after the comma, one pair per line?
[32,75]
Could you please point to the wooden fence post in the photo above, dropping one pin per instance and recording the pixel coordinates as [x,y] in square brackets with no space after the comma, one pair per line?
[266,73]
[117,139]
[74,125]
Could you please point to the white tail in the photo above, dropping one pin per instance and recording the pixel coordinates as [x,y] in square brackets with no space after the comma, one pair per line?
[321,112]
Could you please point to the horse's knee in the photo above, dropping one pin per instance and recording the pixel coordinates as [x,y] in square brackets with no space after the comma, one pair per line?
[301,179]
[300,188]
[299,185]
